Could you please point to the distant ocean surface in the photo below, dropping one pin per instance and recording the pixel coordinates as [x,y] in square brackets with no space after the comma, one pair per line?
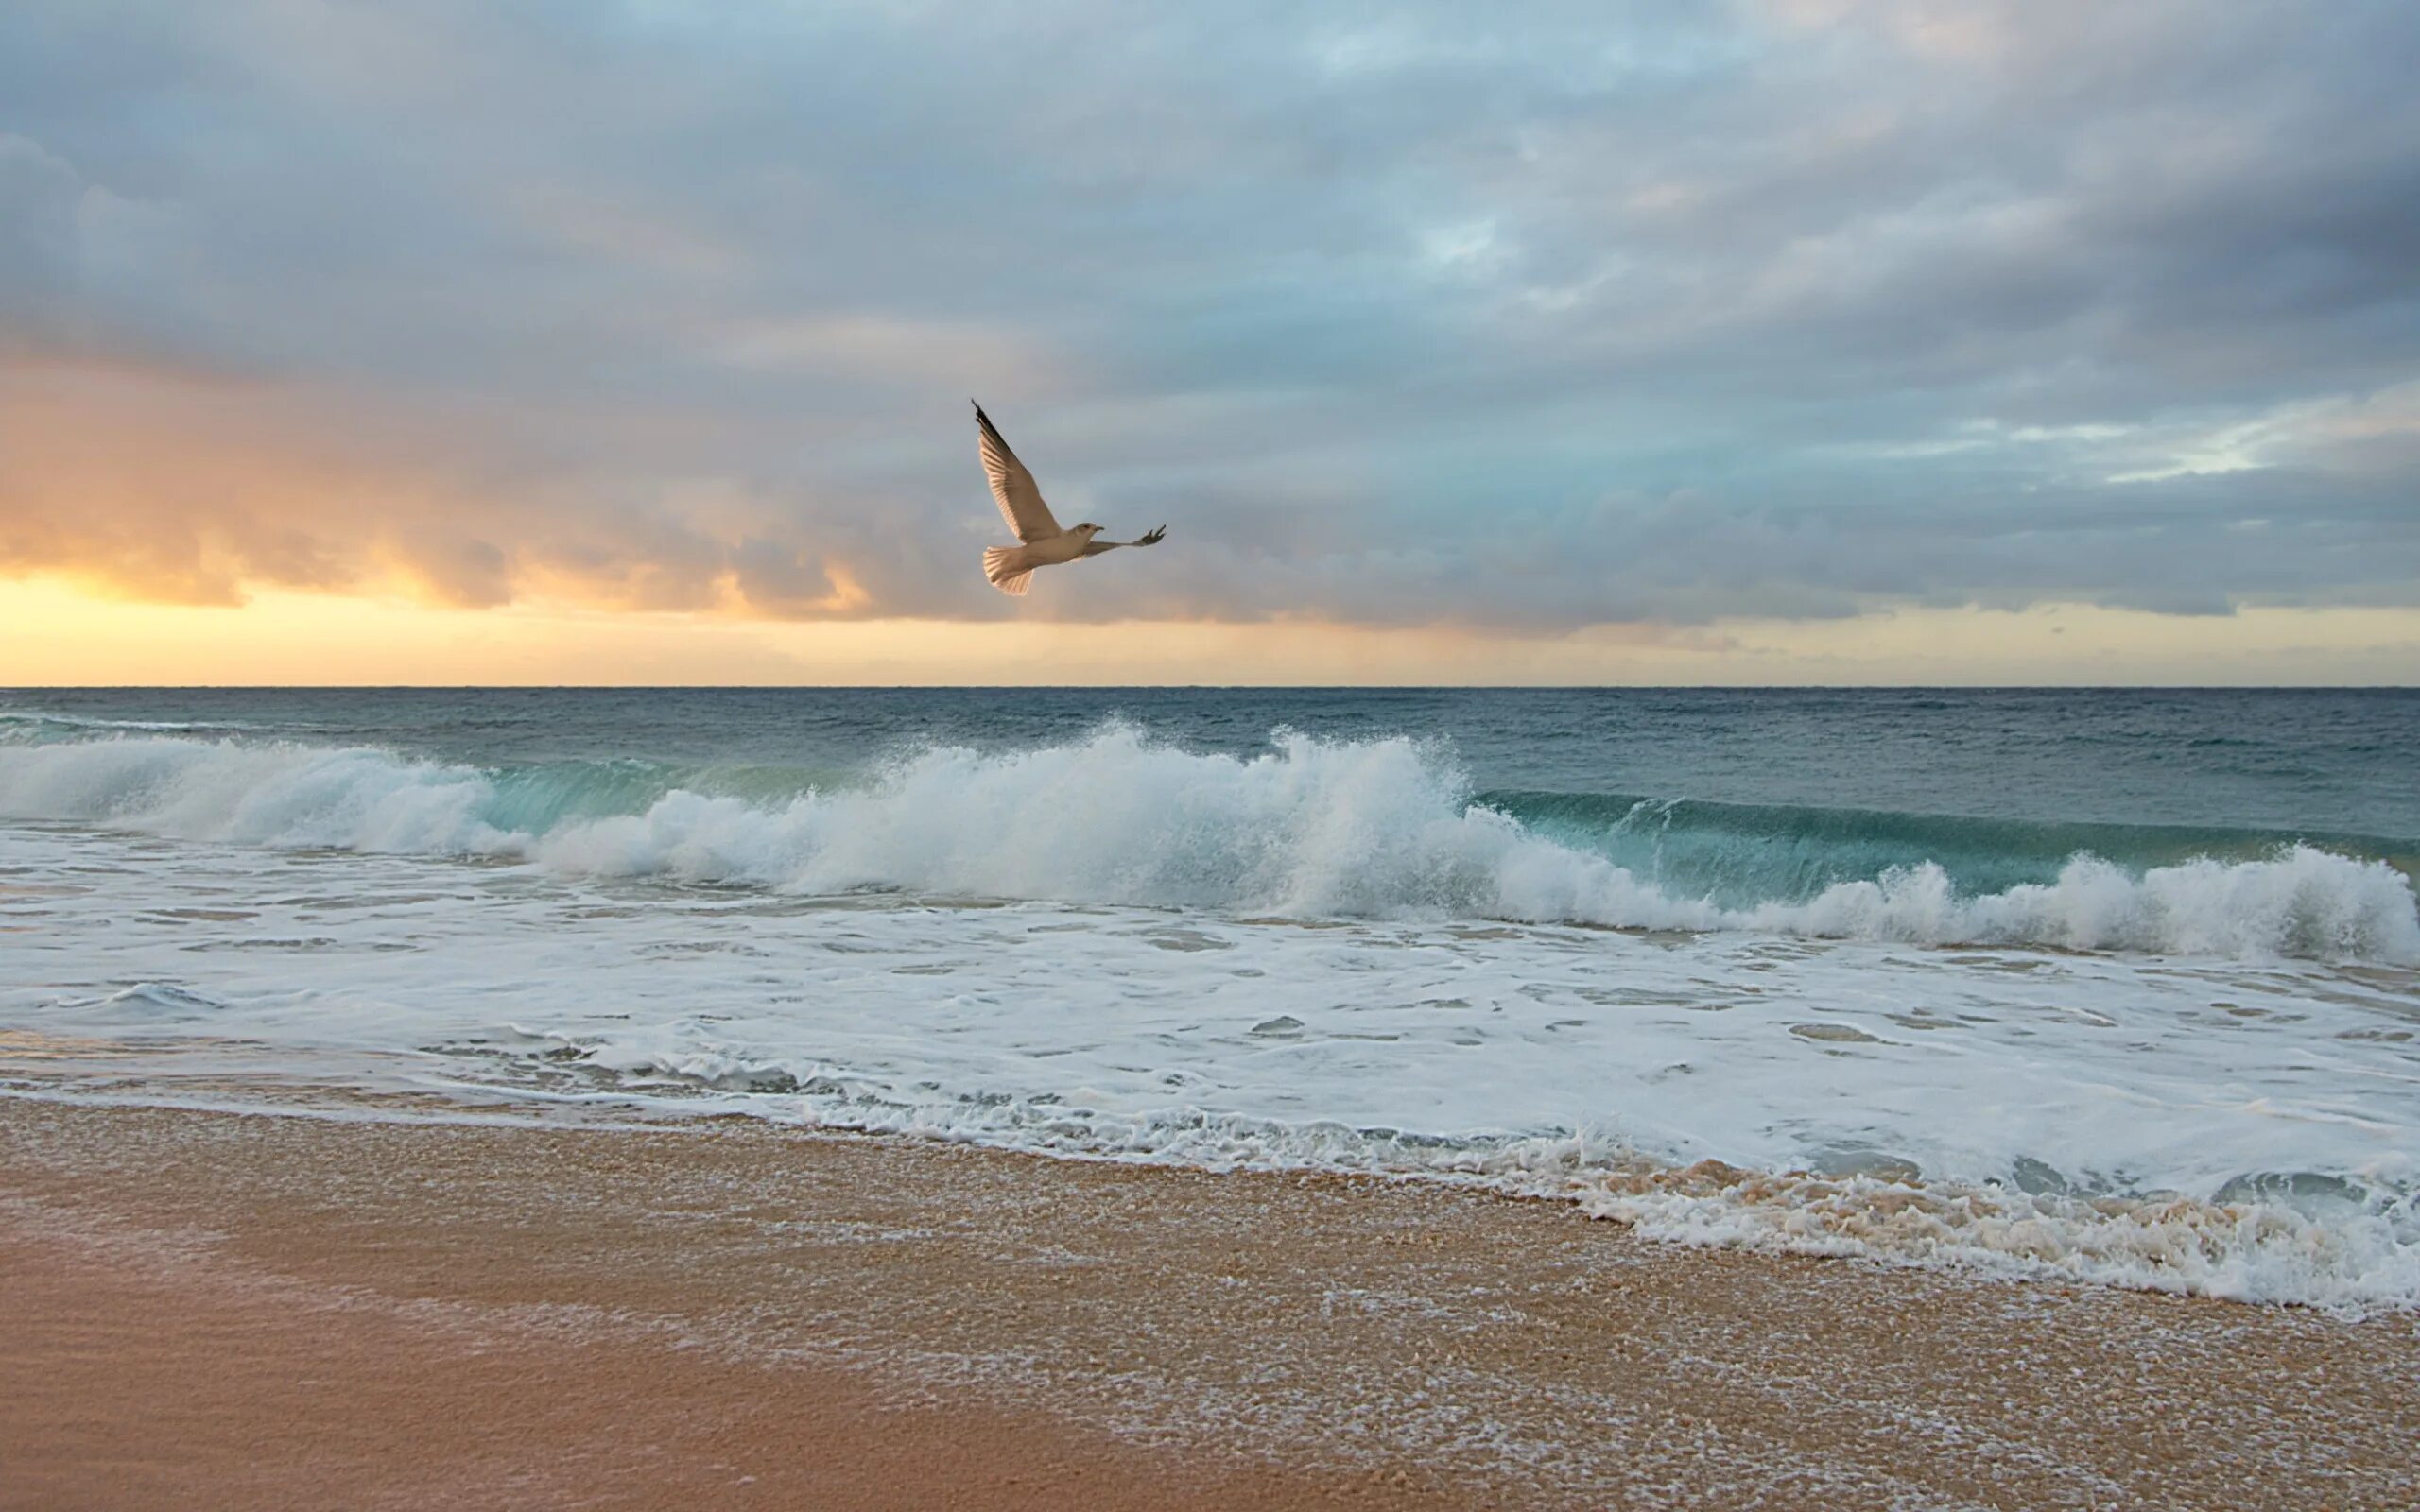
[2114,986]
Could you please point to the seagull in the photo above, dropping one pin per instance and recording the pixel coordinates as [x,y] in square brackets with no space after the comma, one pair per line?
[1043,544]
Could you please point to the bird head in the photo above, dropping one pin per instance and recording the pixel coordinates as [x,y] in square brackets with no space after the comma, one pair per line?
[1088,529]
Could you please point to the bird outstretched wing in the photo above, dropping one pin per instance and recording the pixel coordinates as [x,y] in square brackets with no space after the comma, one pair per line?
[1148,538]
[1021,503]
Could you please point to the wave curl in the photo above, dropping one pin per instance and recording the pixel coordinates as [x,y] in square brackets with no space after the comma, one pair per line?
[1307,827]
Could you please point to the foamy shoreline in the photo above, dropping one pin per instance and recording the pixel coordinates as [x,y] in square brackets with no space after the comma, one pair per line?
[1303,1332]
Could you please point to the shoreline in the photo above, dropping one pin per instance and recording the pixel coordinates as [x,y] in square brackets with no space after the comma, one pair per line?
[621,1316]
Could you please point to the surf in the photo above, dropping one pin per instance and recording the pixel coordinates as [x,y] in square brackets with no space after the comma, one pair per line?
[1377,828]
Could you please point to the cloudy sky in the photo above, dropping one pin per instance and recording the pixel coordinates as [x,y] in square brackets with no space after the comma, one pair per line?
[1793,340]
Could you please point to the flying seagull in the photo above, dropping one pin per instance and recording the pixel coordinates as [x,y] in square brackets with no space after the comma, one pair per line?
[1043,544]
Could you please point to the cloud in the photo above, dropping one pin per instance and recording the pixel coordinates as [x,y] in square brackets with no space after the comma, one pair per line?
[1522,318]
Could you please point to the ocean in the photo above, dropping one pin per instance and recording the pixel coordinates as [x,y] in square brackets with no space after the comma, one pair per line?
[2116,987]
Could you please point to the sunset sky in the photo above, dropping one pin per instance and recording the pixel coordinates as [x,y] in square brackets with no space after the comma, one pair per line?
[1796,341]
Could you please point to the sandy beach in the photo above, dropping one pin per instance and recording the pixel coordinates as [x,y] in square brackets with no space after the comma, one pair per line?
[232,1310]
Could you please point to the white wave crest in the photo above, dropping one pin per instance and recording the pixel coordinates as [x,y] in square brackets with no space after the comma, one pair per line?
[338,798]
[1309,828]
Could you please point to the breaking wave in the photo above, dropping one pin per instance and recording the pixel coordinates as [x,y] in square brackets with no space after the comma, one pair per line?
[1307,827]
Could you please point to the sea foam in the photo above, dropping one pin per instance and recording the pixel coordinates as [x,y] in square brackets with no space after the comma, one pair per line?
[2202,1125]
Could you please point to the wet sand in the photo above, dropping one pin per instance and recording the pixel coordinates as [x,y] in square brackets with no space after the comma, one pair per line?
[215,1310]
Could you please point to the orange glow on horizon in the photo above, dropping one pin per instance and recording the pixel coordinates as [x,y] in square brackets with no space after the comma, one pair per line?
[54,633]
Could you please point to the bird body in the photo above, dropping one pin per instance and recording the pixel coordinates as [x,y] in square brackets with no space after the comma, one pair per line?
[1041,542]
[1011,568]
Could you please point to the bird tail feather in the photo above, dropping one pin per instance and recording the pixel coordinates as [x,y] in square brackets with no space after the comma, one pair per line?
[1004,574]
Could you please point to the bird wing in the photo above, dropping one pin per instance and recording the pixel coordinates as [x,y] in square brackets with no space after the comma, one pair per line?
[1021,503]
[1149,539]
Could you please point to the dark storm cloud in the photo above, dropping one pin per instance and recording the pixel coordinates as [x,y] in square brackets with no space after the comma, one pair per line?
[1538,318]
